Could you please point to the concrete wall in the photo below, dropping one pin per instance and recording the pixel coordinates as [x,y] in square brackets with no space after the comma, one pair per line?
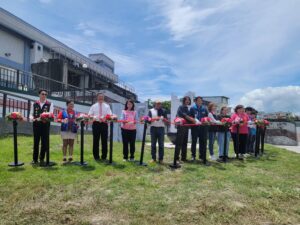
[13,45]
[282,133]
[298,132]
[24,128]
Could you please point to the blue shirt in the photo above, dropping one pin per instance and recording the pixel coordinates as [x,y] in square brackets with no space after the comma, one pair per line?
[199,112]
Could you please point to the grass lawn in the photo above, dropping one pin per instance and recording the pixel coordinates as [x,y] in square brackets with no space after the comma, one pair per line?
[264,191]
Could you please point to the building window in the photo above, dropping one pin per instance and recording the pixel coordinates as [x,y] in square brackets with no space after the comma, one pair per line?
[39,48]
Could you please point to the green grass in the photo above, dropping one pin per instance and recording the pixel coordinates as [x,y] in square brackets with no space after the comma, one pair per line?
[264,191]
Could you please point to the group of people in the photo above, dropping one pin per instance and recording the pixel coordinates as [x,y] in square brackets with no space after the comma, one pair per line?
[243,141]
[158,122]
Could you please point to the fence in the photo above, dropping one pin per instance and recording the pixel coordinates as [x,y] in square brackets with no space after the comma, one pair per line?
[28,82]
[14,103]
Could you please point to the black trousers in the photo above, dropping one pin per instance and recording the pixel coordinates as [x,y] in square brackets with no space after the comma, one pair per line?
[100,130]
[181,142]
[250,143]
[199,133]
[239,148]
[128,138]
[40,134]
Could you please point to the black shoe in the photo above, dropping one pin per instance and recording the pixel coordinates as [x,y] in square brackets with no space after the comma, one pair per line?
[34,162]
[42,162]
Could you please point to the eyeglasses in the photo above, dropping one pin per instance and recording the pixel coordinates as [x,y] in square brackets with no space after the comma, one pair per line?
[44,94]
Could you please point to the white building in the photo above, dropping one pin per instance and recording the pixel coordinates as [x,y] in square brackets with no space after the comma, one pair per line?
[30,59]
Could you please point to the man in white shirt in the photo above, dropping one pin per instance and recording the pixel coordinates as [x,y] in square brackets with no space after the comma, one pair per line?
[157,130]
[41,130]
[100,128]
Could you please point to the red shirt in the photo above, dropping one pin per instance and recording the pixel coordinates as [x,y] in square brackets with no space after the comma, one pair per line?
[243,126]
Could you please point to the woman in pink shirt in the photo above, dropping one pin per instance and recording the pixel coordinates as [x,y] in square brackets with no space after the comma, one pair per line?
[240,118]
[129,116]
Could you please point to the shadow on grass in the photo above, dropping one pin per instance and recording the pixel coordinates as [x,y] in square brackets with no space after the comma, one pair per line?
[78,165]
[267,156]
[16,169]
[218,165]
[115,165]
[87,168]
[50,168]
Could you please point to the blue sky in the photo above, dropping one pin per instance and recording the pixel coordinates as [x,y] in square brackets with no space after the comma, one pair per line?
[248,50]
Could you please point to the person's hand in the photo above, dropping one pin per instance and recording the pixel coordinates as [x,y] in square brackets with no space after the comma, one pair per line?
[197,122]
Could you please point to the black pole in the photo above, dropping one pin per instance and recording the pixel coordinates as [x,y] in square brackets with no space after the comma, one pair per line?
[205,127]
[263,132]
[48,162]
[225,146]
[237,141]
[82,162]
[257,141]
[176,153]
[16,162]
[141,163]
[111,143]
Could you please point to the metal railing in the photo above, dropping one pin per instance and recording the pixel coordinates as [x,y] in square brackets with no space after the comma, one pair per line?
[79,61]
[17,80]
[61,53]
[14,103]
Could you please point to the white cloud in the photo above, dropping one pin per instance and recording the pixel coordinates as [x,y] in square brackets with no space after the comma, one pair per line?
[230,47]
[91,28]
[184,18]
[274,99]
[125,64]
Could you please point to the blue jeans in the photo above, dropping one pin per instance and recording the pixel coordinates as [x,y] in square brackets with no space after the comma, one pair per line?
[221,136]
[211,141]
[157,135]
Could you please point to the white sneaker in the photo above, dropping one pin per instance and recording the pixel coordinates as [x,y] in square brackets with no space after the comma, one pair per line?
[213,158]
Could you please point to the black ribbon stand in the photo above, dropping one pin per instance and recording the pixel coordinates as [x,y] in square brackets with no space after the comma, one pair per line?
[82,162]
[263,133]
[205,127]
[237,141]
[15,131]
[225,145]
[48,162]
[111,124]
[257,141]
[175,165]
[141,162]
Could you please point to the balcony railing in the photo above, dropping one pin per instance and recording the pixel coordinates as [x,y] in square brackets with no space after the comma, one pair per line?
[17,80]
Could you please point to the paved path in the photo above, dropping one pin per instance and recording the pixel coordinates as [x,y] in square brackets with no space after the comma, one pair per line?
[289,148]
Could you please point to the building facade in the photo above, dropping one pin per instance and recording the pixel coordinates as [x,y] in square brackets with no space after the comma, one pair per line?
[31,59]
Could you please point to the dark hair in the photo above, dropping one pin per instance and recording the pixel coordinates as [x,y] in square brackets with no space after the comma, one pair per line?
[196,98]
[238,107]
[224,107]
[69,101]
[254,112]
[248,108]
[186,98]
[41,90]
[132,102]
[210,106]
